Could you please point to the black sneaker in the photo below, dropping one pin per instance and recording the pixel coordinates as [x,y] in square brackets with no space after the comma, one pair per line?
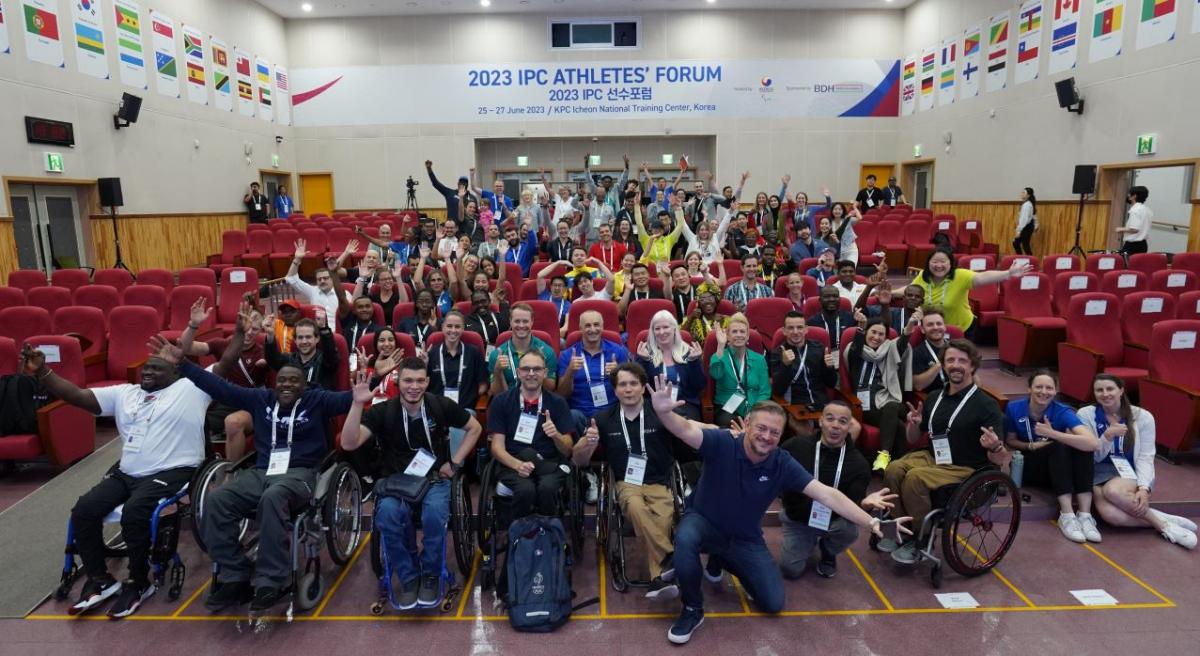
[827,567]
[712,570]
[265,598]
[668,567]
[131,597]
[689,620]
[429,594]
[660,589]
[408,594]
[232,593]
[95,592]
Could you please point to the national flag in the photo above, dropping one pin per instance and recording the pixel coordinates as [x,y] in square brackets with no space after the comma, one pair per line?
[971,44]
[221,82]
[281,80]
[947,78]
[908,92]
[132,46]
[132,60]
[128,21]
[264,96]
[969,70]
[192,47]
[195,73]
[927,63]
[264,74]
[220,58]
[999,33]
[910,69]
[1031,19]
[926,85]
[1065,7]
[1026,51]
[243,66]
[41,23]
[165,64]
[1064,37]
[683,163]
[1107,21]
[1152,9]
[89,38]
[163,29]
[244,90]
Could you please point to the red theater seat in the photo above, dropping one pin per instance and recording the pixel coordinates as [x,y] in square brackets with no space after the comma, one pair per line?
[1148,263]
[65,433]
[103,297]
[27,279]
[1067,285]
[233,246]
[19,323]
[1173,281]
[49,298]
[1171,392]
[1102,263]
[88,324]
[1094,344]
[130,328]
[11,297]
[72,279]
[148,296]
[1123,282]
[1028,330]
[119,278]
[160,277]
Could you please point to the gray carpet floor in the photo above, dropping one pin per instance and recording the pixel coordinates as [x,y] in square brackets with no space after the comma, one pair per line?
[33,529]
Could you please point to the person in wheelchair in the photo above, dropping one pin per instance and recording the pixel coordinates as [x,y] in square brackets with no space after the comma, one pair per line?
[412,432]
[290,424]
[742,476]
[531,435]
[160,423]
[809,525]
[638,451]
[964,426]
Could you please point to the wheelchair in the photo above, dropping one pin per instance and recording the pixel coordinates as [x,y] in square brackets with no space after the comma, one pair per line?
[333,516]
[612,527]
[970,525]
[495,515]
[165,523]
[460,531]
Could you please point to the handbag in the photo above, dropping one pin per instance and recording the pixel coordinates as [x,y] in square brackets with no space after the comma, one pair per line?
[405,487]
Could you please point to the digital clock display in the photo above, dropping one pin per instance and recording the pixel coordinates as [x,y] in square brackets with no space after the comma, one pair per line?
[46,131]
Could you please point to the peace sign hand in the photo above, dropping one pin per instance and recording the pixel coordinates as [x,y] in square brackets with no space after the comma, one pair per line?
[914,414]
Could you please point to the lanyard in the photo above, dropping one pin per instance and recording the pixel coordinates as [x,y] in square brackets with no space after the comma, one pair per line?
[521,400]
[291,423]
[1102,425]
[424,422]
[483,327]
[934,292]
[837,477]
[736,375]
[584,354]
[641,430]
[442,361]
[422,331]
[562,310]
[953,415]
[682,302]
[608,259]
[637,296]
[354,335]
[862,373]
[933,354]
[245,372]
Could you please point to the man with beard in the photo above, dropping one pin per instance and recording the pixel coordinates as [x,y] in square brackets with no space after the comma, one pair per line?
[927,374]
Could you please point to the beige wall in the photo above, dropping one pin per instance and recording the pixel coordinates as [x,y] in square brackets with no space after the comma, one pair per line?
[160,169]
[1030,141]
[560,156]
[370,163]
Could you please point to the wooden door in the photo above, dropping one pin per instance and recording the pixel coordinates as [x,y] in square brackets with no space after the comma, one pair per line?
[316,193]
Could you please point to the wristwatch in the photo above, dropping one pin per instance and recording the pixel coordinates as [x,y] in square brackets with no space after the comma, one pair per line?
[454,467]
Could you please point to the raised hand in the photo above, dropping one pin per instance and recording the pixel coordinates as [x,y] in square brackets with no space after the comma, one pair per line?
[829,359]
[161,347]
[1019,269]
[786,179]
[661,394]
[268,323]
[321,318]
[244,321]
[1043,429]
[787,356]
[914,413]
[737,426]
[719,335]
[880,500]
[612,364]
[859,317]
[576,362]
[824,190]
[301,248]
[694,351]
[592,434]
[988,438]
[643,350]
[362,388]
[549,428]
[199,312]
[35,360]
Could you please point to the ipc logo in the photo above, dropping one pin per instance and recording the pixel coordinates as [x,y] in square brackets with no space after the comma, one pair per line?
[765,82]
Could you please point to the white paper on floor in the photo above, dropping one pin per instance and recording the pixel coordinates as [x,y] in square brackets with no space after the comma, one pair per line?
[956,600]
[1094,598]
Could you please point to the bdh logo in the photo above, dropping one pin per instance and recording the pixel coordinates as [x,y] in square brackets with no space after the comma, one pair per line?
[538,588]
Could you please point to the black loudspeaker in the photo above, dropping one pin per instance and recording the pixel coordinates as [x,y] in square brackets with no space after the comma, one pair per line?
[1085,179]
[110,192]
[127,113]
[1068,95]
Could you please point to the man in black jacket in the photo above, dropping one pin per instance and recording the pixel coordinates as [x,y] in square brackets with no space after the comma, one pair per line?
[319,363]
[451,195]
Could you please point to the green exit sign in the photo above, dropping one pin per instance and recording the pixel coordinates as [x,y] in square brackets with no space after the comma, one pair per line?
[917,150]
[54,162]
[1147,144]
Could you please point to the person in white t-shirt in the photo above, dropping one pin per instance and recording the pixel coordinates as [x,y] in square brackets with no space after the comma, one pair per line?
[161,427]
[1137,225]
[327,293]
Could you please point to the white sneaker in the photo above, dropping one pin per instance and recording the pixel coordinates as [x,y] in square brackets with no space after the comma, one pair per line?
[1087,524]
[1179,535]
[1069,525]
[593,493]
[1182,522]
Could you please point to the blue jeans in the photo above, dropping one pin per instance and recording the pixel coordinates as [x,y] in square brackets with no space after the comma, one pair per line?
[748,560]
[394,519]
[457,434]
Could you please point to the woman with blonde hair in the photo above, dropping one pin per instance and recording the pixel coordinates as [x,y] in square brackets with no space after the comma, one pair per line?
[739,373]
[665,352]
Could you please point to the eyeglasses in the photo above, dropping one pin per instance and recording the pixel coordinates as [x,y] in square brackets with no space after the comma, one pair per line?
[531,370]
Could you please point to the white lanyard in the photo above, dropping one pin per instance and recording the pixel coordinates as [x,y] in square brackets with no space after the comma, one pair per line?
[871,379]
[422,331]
[483,327]
[562,310]
[424,422]
[521,401]
[586,371]
[933,354]
[954,415]
[681,307]
[442,361]
[736,375]
[637,294]
[245,372]
[291,424]
[354,336]
[641,431]
[837,477]
[607,259]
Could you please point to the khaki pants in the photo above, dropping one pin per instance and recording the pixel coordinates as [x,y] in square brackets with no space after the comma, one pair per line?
[650,508]
[916,475]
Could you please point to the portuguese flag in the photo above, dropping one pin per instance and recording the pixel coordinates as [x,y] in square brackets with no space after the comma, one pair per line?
[41,23]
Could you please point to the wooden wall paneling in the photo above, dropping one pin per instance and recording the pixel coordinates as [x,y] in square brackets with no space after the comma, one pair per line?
[8,249]
[170,242]
[1056,223]
[1193,243]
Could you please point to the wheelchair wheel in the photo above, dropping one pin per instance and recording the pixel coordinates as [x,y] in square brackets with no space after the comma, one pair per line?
[573,515]
[977,531]
[614,545]
[209,477]
[309,589]
[341,512]
[485,529]
[376,553]
[460,524]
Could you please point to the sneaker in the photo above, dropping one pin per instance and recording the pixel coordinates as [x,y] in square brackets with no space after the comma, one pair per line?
[1087,524]
[660,589]
[1182,522]
[906,554]
[882,460]
[429,593]
[887,545]
[712,570]
[827,567]
[132,595]
[1069,525]
[95,592]
[689,620]
[593,492]
[668,567]
[232,593]
[408,594]
[1180,536]
[265,598]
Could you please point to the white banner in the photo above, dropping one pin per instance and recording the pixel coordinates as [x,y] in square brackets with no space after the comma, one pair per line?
[908,86]
[222,85]
[946,70]
[283,96]
[1064,36]
[997,68]
[131,54]
[5,48]
[245,87]
[972,56]
[1108,21]
[166,57]
[43,36]
[193,59]
[262,81]
[1029,41]
[1157,23]
[368,95]
[928,75]
[90,54]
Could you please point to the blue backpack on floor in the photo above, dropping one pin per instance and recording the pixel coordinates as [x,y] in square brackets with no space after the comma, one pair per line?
[537,585]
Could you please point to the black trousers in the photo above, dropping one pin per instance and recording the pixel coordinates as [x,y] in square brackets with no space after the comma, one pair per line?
[1134,247]
[1061,468]
[1021,243]
[140,496]
[537,493]
[890,421]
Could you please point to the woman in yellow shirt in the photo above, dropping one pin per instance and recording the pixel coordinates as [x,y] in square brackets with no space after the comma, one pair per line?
[947,287]
[656,243]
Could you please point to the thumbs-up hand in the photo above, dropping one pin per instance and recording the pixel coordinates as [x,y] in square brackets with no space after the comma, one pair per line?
[787,356]
[610,365]
[549,428]
[1043,429]
[576,362]
[592,435]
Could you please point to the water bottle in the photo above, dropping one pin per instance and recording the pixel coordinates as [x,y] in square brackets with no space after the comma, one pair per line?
[1017,468]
